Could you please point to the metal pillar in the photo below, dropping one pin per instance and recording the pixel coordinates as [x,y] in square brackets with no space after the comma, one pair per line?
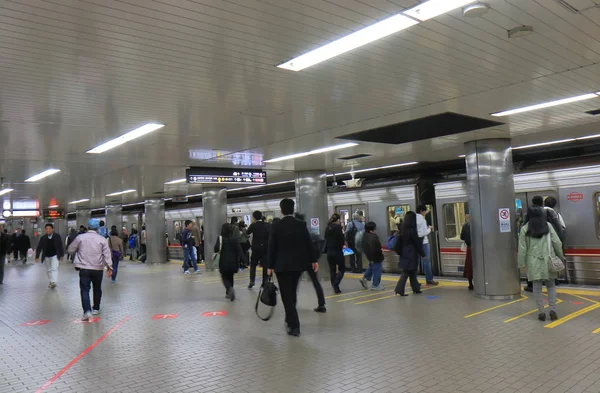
[490,188]
[83,217]
[155,228]
[214,202]
[311,199]
[61,227]
[114,216]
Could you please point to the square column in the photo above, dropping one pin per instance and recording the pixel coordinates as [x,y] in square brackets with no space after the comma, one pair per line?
[82,216]
[156,229]
[114,216]
[214,203]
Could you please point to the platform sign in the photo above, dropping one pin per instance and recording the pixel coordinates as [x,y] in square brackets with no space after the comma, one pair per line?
[199,175]
[54,214]
[314,226]
[38,322]
[504,218]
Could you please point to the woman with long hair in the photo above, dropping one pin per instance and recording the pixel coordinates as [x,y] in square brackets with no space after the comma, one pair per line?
[334,238]
[230,253]
[410,248]
[538,242]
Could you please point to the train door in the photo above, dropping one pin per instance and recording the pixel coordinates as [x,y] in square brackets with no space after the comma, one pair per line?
[346,212]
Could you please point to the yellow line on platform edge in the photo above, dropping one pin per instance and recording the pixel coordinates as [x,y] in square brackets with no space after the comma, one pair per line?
[572,316]
[586,299]
[387,297]
[523,297]
[360,297]
[558,301]
[596,331]
[345,294]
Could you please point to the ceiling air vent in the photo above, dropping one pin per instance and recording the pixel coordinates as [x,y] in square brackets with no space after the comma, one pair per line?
[354,157]
[593,112]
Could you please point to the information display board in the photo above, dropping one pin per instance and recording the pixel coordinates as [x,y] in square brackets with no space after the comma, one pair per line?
[54,214]
[198,175]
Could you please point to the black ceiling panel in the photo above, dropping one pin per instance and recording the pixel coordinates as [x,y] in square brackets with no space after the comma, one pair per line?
[354,157]
[594,112]
[442,124]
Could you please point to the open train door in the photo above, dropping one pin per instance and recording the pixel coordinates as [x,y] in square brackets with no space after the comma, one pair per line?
[426,196]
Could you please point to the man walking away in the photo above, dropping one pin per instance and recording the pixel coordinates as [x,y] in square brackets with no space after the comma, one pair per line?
[316,251]
[15,243]
[187,243]
[52,250]
[259,230]
[290,253]
[374,253]
[196,236]
[102,231]
[352,229]
[24,245]
[93,254]
[72,235]
[4,239]
[423,230]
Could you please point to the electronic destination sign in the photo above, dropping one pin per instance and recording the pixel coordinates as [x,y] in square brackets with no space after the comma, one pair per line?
[199,175]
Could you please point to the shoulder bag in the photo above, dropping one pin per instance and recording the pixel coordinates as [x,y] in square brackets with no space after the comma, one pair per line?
[268,297]
[463,247]
[555,264]
[217,255]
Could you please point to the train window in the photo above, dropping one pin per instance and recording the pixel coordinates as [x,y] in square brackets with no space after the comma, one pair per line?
[454,219]
[396,216]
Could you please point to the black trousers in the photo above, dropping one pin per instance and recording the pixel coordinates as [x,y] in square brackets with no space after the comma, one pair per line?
[356,261]
[258,257]
[288,288]
[337,268]
[318,288]
[87,279]
[414,282]
[227,278]
[142,249]
[198,254]
[2,258]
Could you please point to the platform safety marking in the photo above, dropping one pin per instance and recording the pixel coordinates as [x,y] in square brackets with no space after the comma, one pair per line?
[389,297]
[165,316]
[573,316]
[91,320]
[38,322]
[373,293]
[523,297]
[558,301]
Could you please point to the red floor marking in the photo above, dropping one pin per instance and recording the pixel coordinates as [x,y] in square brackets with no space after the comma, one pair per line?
[214,313]
[36,323]
[165,316]
[81,355]
[577,303]
[91,320]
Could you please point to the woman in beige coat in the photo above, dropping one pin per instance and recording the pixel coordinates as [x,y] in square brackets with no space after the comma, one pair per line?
[535,253]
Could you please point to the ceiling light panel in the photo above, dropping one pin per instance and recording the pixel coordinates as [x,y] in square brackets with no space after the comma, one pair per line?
[131,135]
[6,191]
[376,168]
[543,144]
[310,153]
[42,175]
[120,192]
[352,41]
[177,181]
[547,104]
[432,8]
[78,201]
[52,206]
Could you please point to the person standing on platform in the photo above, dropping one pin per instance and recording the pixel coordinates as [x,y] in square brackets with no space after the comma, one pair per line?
[290,253]
[539,242]
[374,253]
[334,240]
[423,231]
[133,244]
[116,251]
[52,249]
[230,254]
[355,226]
[196,235]
[24,245]
[15,243]
[465,236]
[188,243]
[102,231]
[409,248]
[316,250]
[143,240]
[4,241]
[93,254]
[72,235]
[259,230]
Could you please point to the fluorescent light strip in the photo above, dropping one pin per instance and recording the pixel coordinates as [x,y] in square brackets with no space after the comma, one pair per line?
[544,144]
[42,175]
[376,168]
[52,206]
[133,204]
[352,41]
[432,8]
[120,192]
[194,195]
[78,201]
[462,156]
[547,104]
[310,153]
[177,181]
[588,137]
[131,135]
[6,191]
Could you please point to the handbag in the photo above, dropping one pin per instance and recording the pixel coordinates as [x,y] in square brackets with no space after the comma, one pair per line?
[555,264]
[463,247]
[267,296]
[217,255]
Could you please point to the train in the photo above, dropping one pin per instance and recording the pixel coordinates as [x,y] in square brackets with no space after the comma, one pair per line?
[577,190]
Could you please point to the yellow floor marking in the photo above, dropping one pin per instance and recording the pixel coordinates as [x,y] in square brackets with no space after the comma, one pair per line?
[523,297]
[596,331]
[578,292]
[558,301]
[374,293]
[572,316]
[387,297]
[586,299]
[344,294]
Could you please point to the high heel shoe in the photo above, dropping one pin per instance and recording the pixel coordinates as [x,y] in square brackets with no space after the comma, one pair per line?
[401,294]
[417,292]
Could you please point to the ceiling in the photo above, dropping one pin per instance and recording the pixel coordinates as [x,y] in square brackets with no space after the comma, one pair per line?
[76,73]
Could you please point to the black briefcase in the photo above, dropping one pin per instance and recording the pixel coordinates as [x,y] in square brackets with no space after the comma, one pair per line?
[267,297]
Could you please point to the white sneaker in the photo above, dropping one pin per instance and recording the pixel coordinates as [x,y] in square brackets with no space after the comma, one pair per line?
[95,312]
[187,272]
[52,285]
[378,288]
[86,317]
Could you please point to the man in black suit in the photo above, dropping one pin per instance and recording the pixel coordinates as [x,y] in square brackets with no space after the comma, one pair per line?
[290,253]
[259,230]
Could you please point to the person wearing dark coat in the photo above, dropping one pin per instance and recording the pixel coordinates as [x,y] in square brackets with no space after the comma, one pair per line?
[4,243]
[334,240]
[259,230]
[24,245]
[14,240]
[465,236]
[316,249]
[230,253]
[290,253]
[410,249]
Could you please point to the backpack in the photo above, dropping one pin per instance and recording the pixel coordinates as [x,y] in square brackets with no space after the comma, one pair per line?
[351,235]
[132,241]
[358,241]
[102,231]
[391,243]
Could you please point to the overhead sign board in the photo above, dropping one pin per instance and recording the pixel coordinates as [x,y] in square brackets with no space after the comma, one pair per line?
[54,214]
[199,175]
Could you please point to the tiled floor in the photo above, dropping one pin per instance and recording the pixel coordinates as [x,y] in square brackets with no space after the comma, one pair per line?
[367,342]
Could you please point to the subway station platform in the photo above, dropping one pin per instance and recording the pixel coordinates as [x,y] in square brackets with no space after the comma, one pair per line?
[161,331]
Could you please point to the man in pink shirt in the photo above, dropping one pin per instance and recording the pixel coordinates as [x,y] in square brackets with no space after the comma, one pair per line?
[93,254]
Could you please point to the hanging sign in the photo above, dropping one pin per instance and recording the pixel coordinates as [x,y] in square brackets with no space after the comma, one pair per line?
[504,218]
